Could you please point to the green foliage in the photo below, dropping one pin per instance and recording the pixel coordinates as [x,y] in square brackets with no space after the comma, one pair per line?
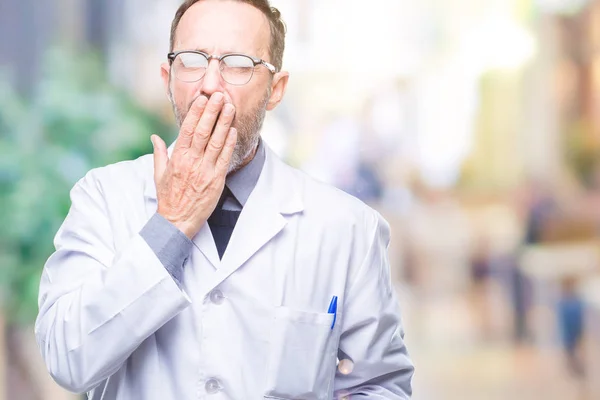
[75,121]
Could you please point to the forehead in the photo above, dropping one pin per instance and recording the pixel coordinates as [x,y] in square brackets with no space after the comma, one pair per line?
[223,27]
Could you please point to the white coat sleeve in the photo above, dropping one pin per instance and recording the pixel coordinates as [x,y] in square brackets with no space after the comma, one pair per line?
[96,307]
[372,335]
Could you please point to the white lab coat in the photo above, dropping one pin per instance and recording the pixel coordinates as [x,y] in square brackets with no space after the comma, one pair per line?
[254,325]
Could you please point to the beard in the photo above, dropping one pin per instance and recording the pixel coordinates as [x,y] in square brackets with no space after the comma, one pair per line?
[248,126]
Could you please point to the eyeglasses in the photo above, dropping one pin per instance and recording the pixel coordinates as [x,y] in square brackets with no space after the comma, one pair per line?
[236,69]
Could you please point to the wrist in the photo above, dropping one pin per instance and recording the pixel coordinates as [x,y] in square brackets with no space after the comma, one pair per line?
[185,227]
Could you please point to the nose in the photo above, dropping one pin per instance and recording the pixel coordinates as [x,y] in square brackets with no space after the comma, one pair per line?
[212,81]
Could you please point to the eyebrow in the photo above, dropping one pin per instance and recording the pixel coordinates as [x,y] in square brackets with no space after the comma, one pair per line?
[224,52]
[203,50]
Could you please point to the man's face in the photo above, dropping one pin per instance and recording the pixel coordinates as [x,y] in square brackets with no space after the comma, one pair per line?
[221,27]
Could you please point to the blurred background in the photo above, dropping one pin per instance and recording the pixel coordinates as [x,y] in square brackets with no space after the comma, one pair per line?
[472,126]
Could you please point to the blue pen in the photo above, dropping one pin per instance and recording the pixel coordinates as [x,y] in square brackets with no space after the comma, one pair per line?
[333,309]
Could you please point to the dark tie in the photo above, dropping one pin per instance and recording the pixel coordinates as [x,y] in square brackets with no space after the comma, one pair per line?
[222,222]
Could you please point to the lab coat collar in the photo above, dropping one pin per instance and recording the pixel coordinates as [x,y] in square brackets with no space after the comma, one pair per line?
[276,196]
[285,194]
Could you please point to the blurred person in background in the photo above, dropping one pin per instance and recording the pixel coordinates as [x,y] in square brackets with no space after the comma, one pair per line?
[570,311]
[540,206]
[211,266]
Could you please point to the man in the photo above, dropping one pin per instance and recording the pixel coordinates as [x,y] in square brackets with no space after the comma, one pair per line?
[212,269]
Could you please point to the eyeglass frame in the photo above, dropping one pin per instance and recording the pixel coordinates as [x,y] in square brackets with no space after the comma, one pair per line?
[257,61]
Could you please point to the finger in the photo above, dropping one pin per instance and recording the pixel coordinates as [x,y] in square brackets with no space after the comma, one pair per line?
[207,122]
[219,135]
[161,158]
[222,164]
[188,127]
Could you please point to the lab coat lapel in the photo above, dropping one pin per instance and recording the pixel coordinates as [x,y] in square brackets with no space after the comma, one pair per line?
[264,215]
[275,197]
[205,242]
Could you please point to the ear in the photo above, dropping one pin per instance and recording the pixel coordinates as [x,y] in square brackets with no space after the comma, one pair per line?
[165,71]
[278,87]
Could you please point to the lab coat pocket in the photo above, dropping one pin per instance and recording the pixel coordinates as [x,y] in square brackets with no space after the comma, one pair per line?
[302,355]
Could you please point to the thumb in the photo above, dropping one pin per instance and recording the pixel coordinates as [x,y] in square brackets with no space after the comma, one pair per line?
[161,157]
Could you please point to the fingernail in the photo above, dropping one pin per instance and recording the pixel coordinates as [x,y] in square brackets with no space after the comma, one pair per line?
[152,140]
[228,109]
[218,97]
[202,100]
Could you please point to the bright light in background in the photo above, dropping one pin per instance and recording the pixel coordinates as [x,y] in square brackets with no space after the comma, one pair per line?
[352,36]
[359,48]
[449,91]
[561,6]
[498,42]
[448,106]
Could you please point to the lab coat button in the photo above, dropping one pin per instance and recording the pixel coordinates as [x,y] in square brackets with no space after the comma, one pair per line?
[216,296]
[212,386]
